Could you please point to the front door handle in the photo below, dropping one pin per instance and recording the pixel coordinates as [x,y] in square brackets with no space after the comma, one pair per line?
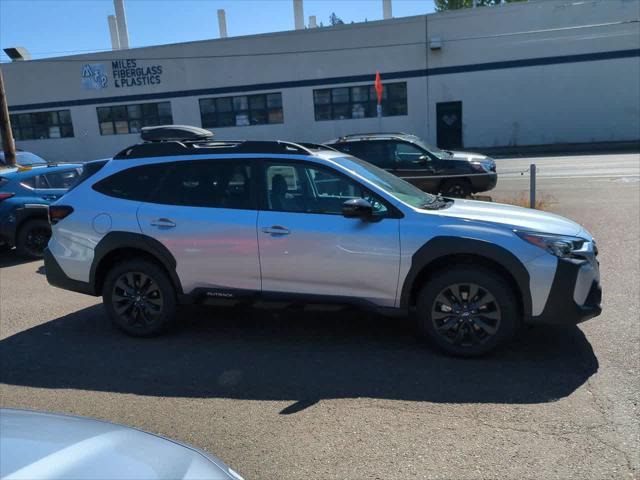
[163,223]
[276,230]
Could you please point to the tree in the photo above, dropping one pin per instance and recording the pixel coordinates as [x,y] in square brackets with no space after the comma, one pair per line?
[442,5]
[335,20]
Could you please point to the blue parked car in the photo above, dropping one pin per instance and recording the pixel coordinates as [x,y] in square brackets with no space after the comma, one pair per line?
[25,195]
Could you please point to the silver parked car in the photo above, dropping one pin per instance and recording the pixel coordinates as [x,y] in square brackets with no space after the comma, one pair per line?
[38,445]
[183,219]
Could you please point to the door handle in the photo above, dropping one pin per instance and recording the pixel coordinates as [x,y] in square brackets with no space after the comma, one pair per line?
[276,230]
[163,223]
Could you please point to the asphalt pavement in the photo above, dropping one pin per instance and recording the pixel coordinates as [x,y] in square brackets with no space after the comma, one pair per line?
[292,394]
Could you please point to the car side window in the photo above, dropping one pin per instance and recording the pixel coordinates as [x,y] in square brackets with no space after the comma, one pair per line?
[136,183]
[40,182]
[407,156]
[62,179]
[309,189]
[209,183]
[376,152]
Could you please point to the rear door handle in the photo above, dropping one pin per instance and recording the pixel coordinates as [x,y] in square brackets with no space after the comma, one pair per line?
[276,230]
[163,223]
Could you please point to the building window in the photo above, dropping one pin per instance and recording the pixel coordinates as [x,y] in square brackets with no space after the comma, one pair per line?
[359,102]
[40,125]
[119,119]
[241,111]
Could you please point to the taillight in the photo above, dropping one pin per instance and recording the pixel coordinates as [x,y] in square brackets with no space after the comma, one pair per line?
[5,195]
[59,212]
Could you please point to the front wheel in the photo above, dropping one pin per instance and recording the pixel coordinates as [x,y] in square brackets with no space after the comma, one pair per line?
[139,298]
[468,311]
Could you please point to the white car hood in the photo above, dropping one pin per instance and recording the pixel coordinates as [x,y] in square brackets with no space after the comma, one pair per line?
[514,217]
[39,446]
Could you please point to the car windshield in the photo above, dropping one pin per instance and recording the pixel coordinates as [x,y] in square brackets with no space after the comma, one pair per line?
[403,191]
[441,154]
[26,159]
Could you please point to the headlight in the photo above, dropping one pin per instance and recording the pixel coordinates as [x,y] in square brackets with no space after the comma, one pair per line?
[559,245]
[481,167]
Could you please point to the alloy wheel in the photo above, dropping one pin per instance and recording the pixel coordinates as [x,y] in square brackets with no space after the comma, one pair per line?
[137,299]
[466,314]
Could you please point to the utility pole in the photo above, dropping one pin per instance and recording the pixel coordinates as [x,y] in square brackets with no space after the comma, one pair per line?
[8,145]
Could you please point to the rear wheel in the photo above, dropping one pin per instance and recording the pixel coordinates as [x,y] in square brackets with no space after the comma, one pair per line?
[139,298]
[33,237]
[468,311]
[459,188]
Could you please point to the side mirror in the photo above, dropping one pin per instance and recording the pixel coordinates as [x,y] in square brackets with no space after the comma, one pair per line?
[357,208]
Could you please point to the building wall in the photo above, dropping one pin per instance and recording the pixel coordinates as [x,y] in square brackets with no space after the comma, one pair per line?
[526,75]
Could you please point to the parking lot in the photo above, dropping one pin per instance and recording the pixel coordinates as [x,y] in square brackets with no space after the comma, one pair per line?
[295,394]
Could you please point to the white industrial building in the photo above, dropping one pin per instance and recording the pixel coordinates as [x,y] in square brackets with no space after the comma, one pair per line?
[542,72]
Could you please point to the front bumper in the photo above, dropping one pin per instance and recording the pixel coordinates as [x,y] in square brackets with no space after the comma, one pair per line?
[576,294]
[483,182]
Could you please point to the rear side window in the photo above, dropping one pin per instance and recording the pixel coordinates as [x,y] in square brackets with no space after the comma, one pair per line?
[88,170]
[137,183]
[209,183]
[62,180]
[375,152]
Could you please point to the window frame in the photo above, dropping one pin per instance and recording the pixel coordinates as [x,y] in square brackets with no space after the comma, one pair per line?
[168,119]
[263,189]
[204,117]
[17,126]
[370,103]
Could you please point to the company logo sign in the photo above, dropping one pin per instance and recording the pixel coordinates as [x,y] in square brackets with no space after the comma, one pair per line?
[94,76]
[127,73]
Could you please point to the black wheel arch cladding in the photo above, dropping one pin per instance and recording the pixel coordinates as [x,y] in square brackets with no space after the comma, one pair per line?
[115,241]
[441,247]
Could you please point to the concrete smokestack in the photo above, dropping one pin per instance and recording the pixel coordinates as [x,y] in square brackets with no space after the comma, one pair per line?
[312,21]
[113,31]
[386,9]
[298,14]
[222,23]
[121,20]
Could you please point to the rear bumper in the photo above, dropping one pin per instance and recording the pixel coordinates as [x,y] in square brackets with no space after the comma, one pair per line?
[57,277]
[483,183]
[576,294]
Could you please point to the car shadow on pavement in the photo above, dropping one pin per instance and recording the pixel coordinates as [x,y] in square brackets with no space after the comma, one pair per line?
[290,355]
[12,259]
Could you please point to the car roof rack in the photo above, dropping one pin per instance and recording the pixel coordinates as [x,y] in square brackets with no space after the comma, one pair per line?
[316,146]
[171,140]
[376,134]
[179,133]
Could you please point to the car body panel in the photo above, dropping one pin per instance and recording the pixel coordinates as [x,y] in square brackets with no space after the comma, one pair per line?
[38,445]
[330,255]
[214,248]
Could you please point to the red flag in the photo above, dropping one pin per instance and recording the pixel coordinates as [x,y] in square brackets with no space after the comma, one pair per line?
[378,86]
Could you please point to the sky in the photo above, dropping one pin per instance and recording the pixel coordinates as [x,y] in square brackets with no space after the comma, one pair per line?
[49,28]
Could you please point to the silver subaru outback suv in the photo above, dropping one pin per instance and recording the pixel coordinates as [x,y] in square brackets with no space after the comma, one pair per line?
[181,218]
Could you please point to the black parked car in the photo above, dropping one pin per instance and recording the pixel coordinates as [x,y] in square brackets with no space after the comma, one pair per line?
[453,174]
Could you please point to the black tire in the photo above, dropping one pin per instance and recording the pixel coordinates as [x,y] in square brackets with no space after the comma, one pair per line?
[488,318]
[456,187]
[139,298]
[33,237]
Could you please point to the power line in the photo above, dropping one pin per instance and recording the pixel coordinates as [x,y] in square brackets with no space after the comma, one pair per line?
[86,59]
